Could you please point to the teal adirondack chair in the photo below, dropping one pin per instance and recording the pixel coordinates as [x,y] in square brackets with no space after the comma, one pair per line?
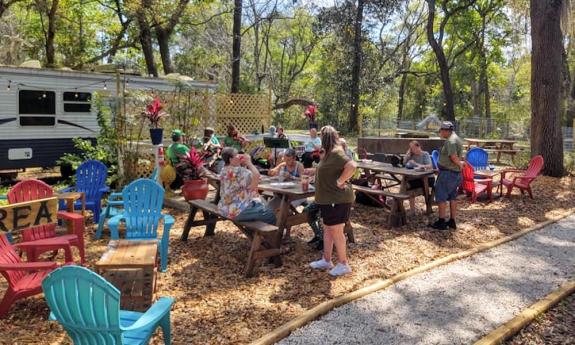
[114,207]
[142,200]
[88,307]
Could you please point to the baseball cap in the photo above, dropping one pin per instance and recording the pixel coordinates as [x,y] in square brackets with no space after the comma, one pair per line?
[447,125]
[177,133]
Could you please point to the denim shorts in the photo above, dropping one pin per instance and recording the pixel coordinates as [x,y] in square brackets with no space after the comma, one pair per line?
[257,211]
[446,185]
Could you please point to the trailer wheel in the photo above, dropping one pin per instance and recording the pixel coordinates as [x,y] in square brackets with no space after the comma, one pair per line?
[66,171]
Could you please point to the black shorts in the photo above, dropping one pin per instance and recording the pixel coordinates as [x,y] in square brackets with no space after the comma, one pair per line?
[334,214]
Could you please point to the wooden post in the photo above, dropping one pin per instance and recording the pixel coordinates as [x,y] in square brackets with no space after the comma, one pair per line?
[118,128]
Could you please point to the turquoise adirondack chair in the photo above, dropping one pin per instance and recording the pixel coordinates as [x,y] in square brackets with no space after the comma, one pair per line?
[142,201]
[114,207]
[88,307]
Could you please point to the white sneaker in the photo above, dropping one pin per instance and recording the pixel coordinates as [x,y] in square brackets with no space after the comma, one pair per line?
[340,270]
[322,264]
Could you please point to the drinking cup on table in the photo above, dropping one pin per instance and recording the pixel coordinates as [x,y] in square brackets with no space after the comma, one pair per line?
[305,183]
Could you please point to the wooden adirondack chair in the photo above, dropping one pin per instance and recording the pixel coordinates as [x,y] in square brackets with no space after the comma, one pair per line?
[474,186]
[88,307]
[24,278]
[45,235]
[143,201]
[90,179]
[114,207]
[524,179]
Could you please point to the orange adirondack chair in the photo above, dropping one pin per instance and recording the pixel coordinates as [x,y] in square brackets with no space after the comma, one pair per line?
[44,236]
[24,278]
[524,179]
[475,186]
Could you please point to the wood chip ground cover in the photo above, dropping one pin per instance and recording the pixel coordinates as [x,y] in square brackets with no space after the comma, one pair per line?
[555,327]
[215,304]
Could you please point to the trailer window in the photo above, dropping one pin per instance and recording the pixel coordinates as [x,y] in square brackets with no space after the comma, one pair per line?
[37,102]
[77,102]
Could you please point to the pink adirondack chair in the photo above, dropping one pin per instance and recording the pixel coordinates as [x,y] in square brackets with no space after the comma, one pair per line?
[475,186]
[524,178]
[40,239]
[24,278]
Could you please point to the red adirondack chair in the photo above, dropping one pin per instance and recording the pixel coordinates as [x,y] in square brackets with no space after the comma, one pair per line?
[40,239]
[24,278]
[524,179]
[475,186]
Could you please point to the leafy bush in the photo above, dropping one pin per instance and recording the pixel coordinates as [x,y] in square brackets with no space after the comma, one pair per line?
[103,150]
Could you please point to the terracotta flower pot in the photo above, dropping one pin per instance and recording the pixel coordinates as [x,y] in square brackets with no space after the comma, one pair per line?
[195,189]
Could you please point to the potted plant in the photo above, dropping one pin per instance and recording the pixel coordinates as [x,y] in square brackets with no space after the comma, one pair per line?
[191,168]
[310,113]
[154,113]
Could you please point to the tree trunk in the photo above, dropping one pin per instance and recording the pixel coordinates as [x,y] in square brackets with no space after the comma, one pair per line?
[401,100]
[236,46]
[163,38]
[51,34]
[546,67]
[449,104]
[356,70]
[145,38]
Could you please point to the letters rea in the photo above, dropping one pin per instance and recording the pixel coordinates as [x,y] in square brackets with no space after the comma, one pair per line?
[21,217]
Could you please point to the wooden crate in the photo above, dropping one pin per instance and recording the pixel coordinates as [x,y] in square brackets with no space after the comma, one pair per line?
[136,285]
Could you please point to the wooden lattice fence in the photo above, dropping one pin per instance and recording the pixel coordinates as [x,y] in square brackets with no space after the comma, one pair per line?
[247,112]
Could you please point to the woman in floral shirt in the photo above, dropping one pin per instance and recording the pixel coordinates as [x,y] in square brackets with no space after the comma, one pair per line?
[239,180]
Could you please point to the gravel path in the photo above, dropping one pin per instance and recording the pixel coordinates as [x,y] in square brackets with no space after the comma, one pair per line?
[457,303]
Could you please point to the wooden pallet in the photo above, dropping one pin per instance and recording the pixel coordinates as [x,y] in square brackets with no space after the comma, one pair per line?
[137,287]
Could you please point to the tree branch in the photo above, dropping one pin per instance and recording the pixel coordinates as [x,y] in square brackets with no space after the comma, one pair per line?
[292,102]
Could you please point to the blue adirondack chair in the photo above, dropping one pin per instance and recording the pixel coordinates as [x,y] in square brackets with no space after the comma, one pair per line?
[478,158]
[142,200]
[114,207]
[435,159]
[88,307]
[90,179]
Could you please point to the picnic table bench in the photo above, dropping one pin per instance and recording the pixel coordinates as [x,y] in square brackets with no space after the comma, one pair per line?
[498,146]
[397,215]
[263,236]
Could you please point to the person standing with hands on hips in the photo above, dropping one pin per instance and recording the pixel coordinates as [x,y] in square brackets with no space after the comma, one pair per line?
[449,178]
[334,195]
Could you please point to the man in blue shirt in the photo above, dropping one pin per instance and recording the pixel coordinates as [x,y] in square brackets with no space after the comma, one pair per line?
[312,147]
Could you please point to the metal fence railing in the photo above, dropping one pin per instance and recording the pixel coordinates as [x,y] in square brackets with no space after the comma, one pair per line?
[471,128]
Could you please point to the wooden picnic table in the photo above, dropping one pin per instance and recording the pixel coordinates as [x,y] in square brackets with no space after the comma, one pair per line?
[499,146]
[288,216]
[401,176]
[130,265]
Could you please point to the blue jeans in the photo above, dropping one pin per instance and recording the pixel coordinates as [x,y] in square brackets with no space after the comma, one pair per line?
[257,211]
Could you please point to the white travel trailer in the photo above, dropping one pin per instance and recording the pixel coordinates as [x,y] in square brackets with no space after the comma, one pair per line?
[41,110]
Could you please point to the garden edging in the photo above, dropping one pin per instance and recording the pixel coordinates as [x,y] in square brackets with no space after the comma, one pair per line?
[515,325]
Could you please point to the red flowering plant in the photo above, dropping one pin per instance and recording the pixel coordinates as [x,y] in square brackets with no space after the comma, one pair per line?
[310,113]
[154,113]
[191,165]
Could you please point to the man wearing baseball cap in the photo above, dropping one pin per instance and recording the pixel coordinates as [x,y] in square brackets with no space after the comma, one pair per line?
[449,178]
[174,153]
